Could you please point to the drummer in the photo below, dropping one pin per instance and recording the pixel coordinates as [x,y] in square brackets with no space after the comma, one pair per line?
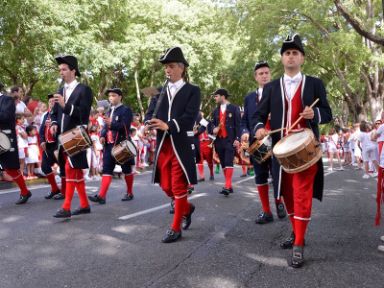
[116,129]
[284,99]
[71,110]
[262,74]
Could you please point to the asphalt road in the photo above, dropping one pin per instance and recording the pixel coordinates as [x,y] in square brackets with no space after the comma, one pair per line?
[118,244]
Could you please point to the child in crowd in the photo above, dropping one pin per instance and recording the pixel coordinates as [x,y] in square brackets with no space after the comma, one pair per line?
[370,152]
[32,159]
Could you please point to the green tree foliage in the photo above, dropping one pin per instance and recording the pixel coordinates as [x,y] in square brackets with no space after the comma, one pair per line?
[118,43]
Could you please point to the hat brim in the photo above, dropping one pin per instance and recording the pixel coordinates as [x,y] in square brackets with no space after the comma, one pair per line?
[166,61]
[113,91]
[61,60]
[292,45]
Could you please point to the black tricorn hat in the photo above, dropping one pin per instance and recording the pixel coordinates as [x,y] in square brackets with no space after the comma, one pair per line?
[260,64]
[71,61]
[222,92]
[174,54]
[116,90]
[293,42]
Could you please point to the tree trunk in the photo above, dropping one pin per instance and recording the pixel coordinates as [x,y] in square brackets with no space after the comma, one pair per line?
[138,94]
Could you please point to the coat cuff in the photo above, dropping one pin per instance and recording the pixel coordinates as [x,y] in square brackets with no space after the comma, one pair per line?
[173,126]
[317,116]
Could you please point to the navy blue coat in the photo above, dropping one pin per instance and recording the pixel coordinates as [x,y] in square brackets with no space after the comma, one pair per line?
[248,119]
[232,121]
[120,125]
[10,159]
[273,102]
[180,114]
[75,113]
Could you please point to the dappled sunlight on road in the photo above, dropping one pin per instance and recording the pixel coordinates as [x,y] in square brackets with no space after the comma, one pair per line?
[271,261]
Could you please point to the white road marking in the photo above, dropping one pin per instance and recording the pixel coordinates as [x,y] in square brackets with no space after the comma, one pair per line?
[150,210]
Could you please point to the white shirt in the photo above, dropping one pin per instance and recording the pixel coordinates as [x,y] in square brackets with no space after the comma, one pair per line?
[223,107]
[20,107]
[173,88]
[291,84]
[113,108]
[380,133]
[366,142]
[259,93]
[68,89]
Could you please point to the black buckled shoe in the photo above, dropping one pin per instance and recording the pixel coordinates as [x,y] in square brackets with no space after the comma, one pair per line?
[62,213]
[51,194]
[59,196]
[243,175]
[297,257]
[23,199]
[96,198]
[201,180]
[190,189]
[211,178]
[230,190]
[225,191]
[264,218]
[280,210]
[288,243]
[127,197]
[187,219]
[78,211]
[171,236]
[172,210]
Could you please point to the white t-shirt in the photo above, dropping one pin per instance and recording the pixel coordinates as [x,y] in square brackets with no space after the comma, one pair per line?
[20,107]
[366,142]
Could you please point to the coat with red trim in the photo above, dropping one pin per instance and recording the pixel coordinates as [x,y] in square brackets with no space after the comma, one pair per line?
[75,113]
[180,114]
[10,159]
[120,124]
[273,101]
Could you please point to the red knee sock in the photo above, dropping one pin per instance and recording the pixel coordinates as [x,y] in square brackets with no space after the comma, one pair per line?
[179,213]
[19,180]
[70,190]
[105,182]
[200,168]
[300,229]
[52,182]
[292,219]
[244,169]
[210,166]
[264,197]
[228,177]
[129,182]
[80,186]
[187,207]
[63,185]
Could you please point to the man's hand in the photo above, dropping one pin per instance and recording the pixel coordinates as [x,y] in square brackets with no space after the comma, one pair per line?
[215,130]
[59,99]
[158,124]
[53,129]
[261,133]
[308,113]
[43,146]
[107,121]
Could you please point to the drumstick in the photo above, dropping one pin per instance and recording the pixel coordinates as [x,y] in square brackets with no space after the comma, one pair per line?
[301,117]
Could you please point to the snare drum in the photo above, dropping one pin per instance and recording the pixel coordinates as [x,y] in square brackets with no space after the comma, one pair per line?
[297,151]
[261,150]
[75,141]
[124,151]
[5,144]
